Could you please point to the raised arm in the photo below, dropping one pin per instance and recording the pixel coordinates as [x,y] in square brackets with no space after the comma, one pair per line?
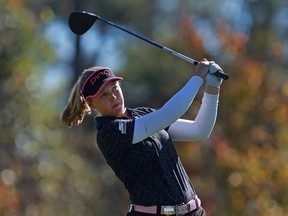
[172,109]
[201,128]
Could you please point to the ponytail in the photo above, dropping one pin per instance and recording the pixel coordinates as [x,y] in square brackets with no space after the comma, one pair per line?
[77,107]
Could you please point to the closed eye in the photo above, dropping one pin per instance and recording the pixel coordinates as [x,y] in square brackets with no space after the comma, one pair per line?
[115,88]
[103,94]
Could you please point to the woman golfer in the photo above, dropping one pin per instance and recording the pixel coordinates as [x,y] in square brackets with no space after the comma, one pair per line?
[138,143]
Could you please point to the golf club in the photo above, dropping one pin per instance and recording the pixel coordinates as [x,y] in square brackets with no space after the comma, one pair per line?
[81,22]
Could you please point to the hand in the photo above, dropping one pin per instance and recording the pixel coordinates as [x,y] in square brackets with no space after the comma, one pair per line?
[212,80]
[202,68]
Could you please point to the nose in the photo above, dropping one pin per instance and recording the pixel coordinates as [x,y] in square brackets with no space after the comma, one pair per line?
[112,97]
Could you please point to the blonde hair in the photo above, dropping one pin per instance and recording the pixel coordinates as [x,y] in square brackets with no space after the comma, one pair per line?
[77,107]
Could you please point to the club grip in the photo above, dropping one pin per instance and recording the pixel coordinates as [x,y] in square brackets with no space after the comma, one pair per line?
[220,74]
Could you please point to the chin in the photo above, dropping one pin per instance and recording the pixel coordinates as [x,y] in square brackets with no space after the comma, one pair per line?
[122,112]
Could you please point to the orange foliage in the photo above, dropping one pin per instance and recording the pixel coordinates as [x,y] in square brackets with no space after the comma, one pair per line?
[254,73]
[233,42]
[8,198]
[192,37]
[16,2]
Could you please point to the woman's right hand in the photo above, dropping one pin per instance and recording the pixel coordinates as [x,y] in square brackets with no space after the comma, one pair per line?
[202,68]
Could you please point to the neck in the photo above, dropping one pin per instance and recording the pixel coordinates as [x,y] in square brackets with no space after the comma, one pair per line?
[125,113]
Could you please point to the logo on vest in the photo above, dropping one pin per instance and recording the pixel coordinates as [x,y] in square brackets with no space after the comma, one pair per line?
[122,127]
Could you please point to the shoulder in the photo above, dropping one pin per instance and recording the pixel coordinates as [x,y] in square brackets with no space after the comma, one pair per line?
[111,125]
[141,111]
[114,134]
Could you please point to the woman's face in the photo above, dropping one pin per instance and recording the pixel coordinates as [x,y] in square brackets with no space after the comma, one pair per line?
[110,100]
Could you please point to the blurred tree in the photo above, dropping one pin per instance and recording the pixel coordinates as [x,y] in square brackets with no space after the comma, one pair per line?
[22,54]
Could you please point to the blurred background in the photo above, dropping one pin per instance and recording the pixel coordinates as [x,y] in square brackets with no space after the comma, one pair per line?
[48,169]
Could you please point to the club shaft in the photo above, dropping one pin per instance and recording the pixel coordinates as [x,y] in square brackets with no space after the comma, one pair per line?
[166,49]
[179,55]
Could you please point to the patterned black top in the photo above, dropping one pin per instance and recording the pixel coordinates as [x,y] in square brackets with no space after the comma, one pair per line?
[150,170]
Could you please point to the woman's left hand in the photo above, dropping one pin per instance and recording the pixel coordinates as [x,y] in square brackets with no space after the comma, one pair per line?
[212,80]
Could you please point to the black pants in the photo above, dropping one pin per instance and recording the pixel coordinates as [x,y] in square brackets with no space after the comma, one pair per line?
[197,212]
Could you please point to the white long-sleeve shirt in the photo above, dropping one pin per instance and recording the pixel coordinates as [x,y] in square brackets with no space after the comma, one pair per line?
[170,115]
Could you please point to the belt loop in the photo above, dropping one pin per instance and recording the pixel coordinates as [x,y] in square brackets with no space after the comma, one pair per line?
[131,208]
[176,210]
[197,202]
[159,208]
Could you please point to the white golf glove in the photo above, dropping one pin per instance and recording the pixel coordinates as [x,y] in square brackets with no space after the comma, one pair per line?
[212,80]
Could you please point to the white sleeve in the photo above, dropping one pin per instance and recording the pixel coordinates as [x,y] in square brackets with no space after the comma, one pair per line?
[169,113]
[201,128]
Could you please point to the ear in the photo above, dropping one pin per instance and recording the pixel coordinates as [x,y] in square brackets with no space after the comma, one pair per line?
[90,103]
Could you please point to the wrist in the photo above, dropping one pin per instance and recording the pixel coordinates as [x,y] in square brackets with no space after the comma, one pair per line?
[198,76]
[212,90]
